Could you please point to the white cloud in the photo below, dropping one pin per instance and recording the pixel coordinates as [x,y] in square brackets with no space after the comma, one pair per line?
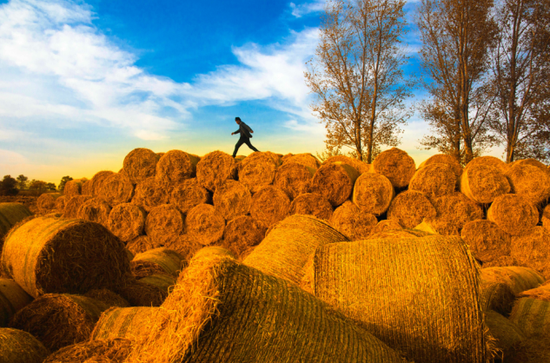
[304,9]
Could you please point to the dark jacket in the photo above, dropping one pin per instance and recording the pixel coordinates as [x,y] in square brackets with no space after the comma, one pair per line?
[244,130]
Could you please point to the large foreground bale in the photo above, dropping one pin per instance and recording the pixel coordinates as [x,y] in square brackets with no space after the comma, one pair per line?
[93,351]
[349,220]
[258,170]
[269,205]
[164,223]
[18,346]
[116,189]
[205,224]
[486,240]
[418,295]
[294,178]
[410,208]
[533,250]
[444,159]
[513,214]
[95,210]
[453,211]
[357,164]
[12,299]
[46,202]
[129,323]
[157,260]
[149,194]
[188,194]
[228,312]
[215,168]
[288,245]
[62,255]
[126,221]
[483,183]
[335,182]
[174,167]
[396,165]
[242,234]
[373,193]
[140,164]
[10,215]
[232,199]
[313,204]
[529,181]
[434,180]
[517,278]
[58,320]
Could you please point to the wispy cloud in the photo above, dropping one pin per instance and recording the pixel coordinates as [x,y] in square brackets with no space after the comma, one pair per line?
[308,8]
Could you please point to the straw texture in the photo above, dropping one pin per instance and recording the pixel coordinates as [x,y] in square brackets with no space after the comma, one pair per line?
[96,183]
[205,224]
[174,167]
[497,296]
[532,316]
[444,159]
[157,260]
[533,250]
[160,280]
[46,202]
[73,187]
[149,194]
[373,193]
[305,159]
[396,165]
[139,293]
[358,165]
[349,220]
[530,182]
[541,293]
[110,298]
[126,221]
[10,215]
[313,204]
[269,205]
[116,188]
[294,178]
[258,170]
[140,164]
[486,240]
[517,278]
[141,244]
[95,210]
[232,199]
[241,234]
[128,323]
[73,204]
[93,351]
[434,180]
[453,211]
[214,169]
[483,183]
[545,218]
[17,346]
[188,194]
[489,161]
[410,208]
[513,214]
[164,223]
[12,299]
[335,182]
[60,203]
[507,334]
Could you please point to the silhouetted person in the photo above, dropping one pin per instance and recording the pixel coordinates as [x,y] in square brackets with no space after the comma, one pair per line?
[245,132]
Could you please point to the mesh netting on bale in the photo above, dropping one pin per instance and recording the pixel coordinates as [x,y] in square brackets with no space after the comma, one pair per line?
[294,179]
[174,167]
[396,165]
[108,297]
[373,193]
[139,293]
[60,203]
[258,170]
[205,224]
[351,222]
[188,194]
[269,205]
[418,295]
[128,323]
[490,161]
[483,183]
[241,234]
[140,164]
[410,208]
[12,299]
[95,210]
[10,215]
[157,260]
[18,346]
[224,311]
[73,187]
[453,211]
[507,334]
[443,159]
[140,244]
[513,214]
[487,242]
[533,250]
[46,202]
[541,293]
[94,351]
[532,316]
[126,221]
[215,168]
[148,194]
[358,165]
[161,280]
[517,278]
[73,204]
[497,296]
[334,181]
[305,159]
[63,255]
[232,199]
[58,320]
[287,246]
[530,182]
[313,204]
[164,223]
[116,189]
[434,180]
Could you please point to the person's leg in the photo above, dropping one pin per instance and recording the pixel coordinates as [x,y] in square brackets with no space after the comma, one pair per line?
[237,146]
[247,141]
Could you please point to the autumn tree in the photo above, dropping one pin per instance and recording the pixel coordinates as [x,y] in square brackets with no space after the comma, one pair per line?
[356,75]
[521,74]
[456,37]
[37,186]
[8,186]
[22,181]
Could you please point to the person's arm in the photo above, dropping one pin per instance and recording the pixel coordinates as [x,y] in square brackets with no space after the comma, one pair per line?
[236,132]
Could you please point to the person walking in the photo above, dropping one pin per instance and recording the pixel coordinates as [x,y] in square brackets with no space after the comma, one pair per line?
[245,132]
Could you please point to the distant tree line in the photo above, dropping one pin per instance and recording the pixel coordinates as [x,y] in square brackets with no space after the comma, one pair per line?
[10,186]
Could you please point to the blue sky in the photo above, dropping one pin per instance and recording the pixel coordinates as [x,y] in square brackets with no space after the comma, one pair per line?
[84,83]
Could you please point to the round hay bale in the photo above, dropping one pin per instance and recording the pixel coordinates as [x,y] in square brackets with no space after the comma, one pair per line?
[18,346]
[59,320]
[214,169]
[373,193]
[258,170]
[408,292]
[434,180]
[294,179]
[95,210]
[188,195]
[174,167]
[335,182]
[541,293]
[45,203]
[444,159]
[86,188]
[160,280]
[386,225]
[269,205]
[241,234]
[141,244]
[96,183]
[164,223]
[139,293]
[507,334]
[108,297]
[304,159]
[60,255]
[483,183]
[12,299]
[149,194]
[243,303]
[60,203]
[453,211]
[487,242]
[530,182]
[73,204]
[157,260]
[533,250]
[287,246]
[140,164]
[116,189]
[185,246]
[517,278]
[357,164]
[530,161]
[497,296]
[126,221]
[73,187]
[232,199]
[545,218]
[93,351]
[349,220]
[205,224]
[129,323]
[513,214]
[313,204]
[532,316]
[489,161]
[410,208]
[501,261]
[10,215]
[396,165]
